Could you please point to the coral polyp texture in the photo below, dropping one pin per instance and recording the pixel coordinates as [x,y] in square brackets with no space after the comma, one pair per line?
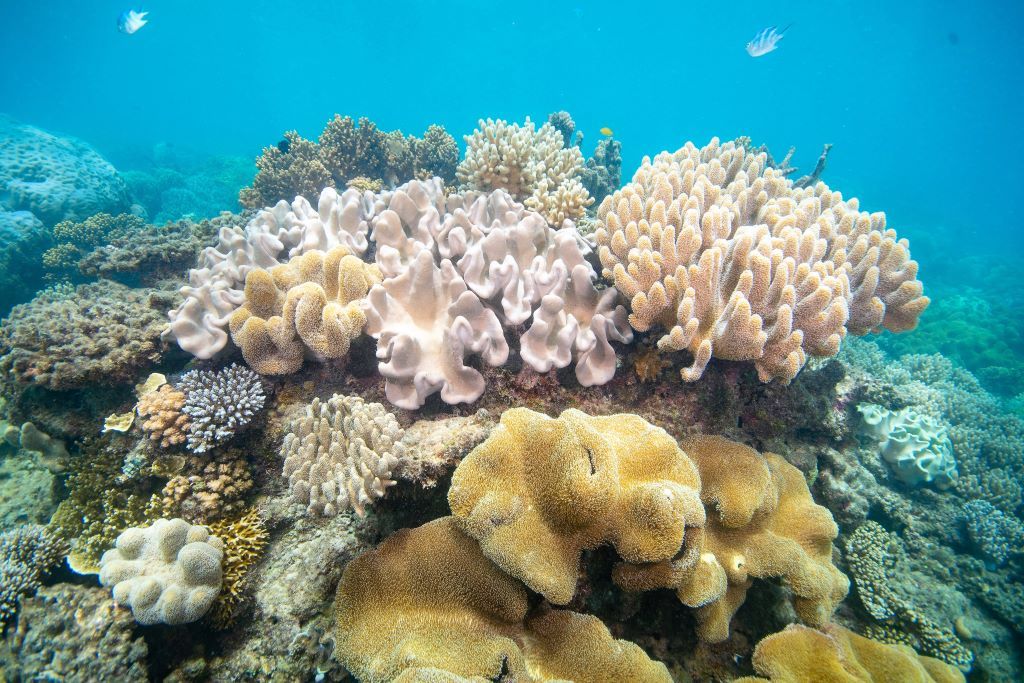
[833,653]
[164,421]
[427,605]
[27,553]
[340,454]
[540,491]
[219,404]
[348,150]
[534,165]
[761,524]
[916,446]
[167,573]
[311,305]
[730,260]
[102,333]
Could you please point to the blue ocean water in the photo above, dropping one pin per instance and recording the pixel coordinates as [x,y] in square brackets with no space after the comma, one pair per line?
[917,97]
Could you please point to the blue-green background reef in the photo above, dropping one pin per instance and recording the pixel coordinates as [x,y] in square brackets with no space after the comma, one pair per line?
[316,315]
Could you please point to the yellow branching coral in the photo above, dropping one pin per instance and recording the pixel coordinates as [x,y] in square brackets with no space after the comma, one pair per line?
[798,654]
[426,605]
[539,491]
[732,261]
[244,539]
[310,303]
[165,422]
[761,523]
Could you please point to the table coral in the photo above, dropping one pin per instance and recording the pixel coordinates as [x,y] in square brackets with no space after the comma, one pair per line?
[732,261]
[428,605]
[102,334]
[832,653]
[340,453]
[167,573]
[311,304]
[761,523]
[540,491]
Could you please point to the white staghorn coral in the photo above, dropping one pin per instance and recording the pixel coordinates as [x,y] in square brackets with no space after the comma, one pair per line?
[219,404]
[533,165]
[340,454]
[733,262]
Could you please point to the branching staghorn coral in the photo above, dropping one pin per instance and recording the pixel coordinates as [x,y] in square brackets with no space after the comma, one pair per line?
[540,491]
[347,150]
[535,166]
[219,404]
[340,454]
[732,261]
[27,553]
[310,305]
[427,605]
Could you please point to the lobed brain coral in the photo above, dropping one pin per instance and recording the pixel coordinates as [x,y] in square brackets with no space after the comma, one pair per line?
[732,261]
[167,573]
[310,305]
[832,653]
[427,605]
[539,491]
[761,523]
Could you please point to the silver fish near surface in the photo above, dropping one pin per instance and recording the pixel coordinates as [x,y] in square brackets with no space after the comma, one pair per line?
[131,21]
[765,41]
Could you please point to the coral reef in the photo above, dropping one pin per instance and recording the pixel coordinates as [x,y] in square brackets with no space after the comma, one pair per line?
[533,165]
[732,261]
[761,523]
[219,404]
[167,573]
[603,173]
[310,305]
[832,653]
[74,239]
[103,333]
[166,424]
[244,538]
[915,446]
[540,491]
[206,489]
[995,534]
[69,632]
[348,150]
[52,452]
[27,553]
[427,605]
[55,177]
[22,238]
[340,454]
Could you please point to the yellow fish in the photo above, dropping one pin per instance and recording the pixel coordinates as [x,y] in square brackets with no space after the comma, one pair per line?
[607,131]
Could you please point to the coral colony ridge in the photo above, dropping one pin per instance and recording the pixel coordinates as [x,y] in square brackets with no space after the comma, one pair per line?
[493,413]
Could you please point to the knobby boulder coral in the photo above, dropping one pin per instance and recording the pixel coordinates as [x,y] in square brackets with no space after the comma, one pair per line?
[428,605]
[340,454]
[167,573]
[731,260]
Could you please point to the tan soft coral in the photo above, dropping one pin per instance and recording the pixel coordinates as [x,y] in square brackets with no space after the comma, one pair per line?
[540,491]
[309,305]
[837,655]
[731,261]
[426,605]
[761,523]
[165,422]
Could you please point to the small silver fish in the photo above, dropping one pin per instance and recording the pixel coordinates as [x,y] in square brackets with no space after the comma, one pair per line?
[131,21]
[765,41]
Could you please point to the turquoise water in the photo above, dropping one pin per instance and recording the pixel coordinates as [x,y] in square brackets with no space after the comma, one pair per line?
[917,462]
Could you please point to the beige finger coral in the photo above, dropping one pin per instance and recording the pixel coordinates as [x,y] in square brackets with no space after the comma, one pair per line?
[761,523]
[834,654]
[310,305]
[427,605]
[540,491]
[730,260]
